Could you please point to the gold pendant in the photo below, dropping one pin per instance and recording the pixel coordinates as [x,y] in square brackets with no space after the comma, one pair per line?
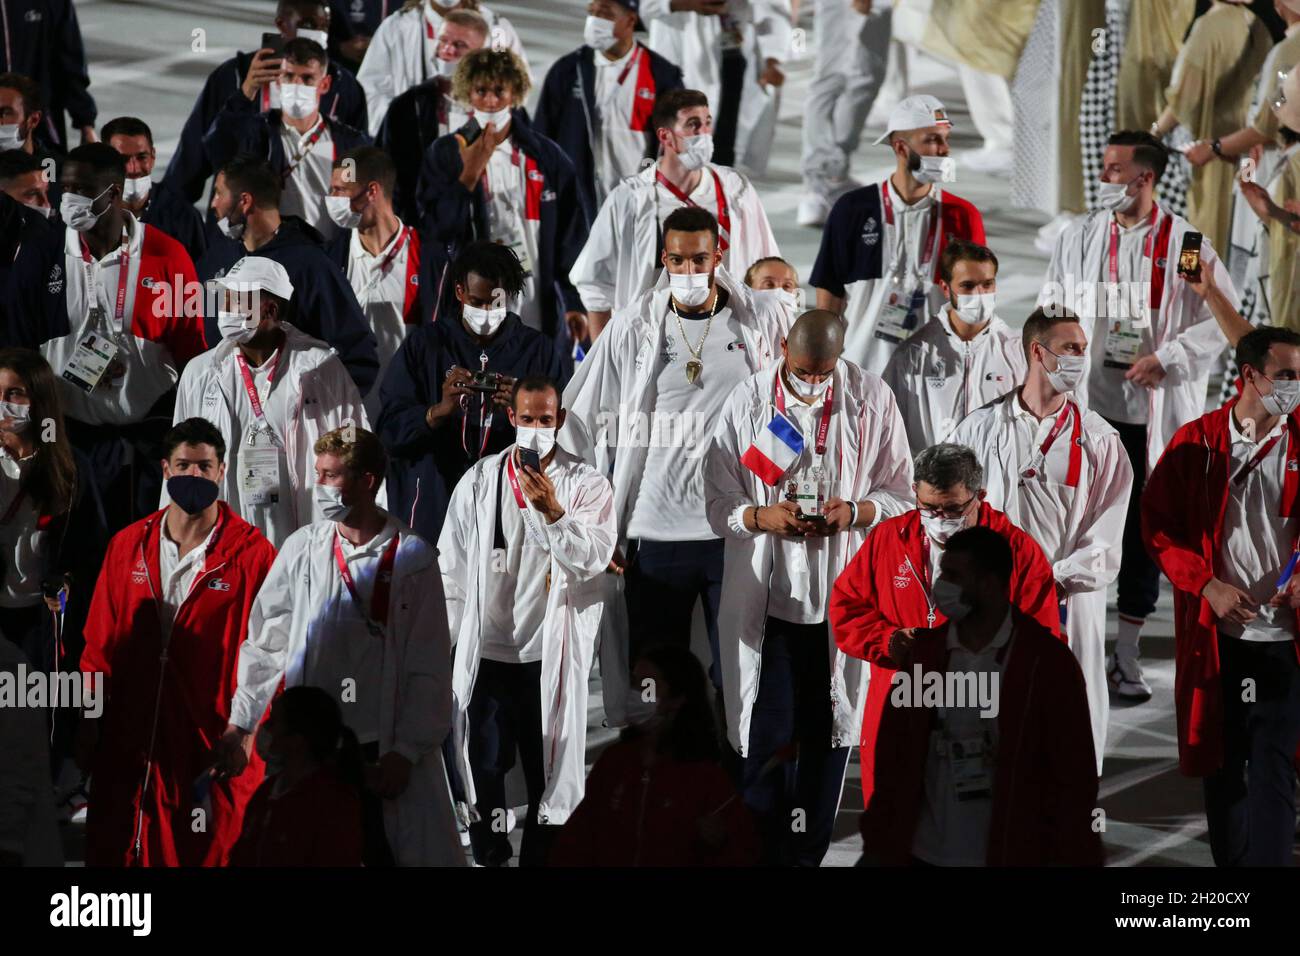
[693,369]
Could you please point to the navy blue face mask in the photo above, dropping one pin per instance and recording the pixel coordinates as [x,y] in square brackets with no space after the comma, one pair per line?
[193,493]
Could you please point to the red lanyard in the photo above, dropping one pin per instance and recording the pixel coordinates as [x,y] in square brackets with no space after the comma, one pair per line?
[724,217]
[1260,455]
[250,386]
[1113,258]
[395,251]
[1068,411]
[823,427]
[378,616]
[936,212]
[632,61]
[312,140]
[484,423]
[514,482]
[123,275]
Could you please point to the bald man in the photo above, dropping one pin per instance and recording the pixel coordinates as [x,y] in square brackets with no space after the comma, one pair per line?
[807,457]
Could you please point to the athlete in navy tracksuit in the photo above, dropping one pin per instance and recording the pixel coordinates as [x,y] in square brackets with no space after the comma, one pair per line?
[452,216]
[566,110]
[168,212]
[41,39]
[323,306]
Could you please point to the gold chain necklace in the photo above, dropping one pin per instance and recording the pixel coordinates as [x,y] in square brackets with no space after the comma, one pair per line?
[695,366]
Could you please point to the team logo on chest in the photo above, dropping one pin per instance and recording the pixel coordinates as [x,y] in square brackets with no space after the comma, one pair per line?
[901,577]
[870,231]
[140,573]
[56,280]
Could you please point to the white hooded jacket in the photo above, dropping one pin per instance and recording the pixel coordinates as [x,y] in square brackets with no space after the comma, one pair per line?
[621,257]
[1091,525]
[322,398]
[874,464]
[300,597]
[1187,338]
[581,543]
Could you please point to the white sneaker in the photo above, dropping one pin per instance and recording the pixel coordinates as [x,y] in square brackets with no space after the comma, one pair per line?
[813,210]
[1125,676]
[994,162]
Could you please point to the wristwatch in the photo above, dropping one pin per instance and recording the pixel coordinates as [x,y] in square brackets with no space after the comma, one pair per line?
[1217,147]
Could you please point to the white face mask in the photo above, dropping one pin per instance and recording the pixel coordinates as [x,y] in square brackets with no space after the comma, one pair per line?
[239,327]
[941,529]
[483,321]
[16,417]
[932,169]
[341,211]
[598,33]
[77,210]
[46,211]
[298,100]
[498,118]
[948,599]
[329,502]
[976,309]
[696,151]
[136,188]
[445,68]
[807,389]
[231,230]
[11,136]
[1069,372]
[690,290]
[1284,398]
[540,440]
[780,298]
[1114,197]
[320,36]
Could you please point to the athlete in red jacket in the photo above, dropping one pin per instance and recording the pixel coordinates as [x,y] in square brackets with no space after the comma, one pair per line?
[883,596]
[1041,772]
[169,613]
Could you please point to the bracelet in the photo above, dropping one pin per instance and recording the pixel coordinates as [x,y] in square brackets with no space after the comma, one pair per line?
[757,528]
[1216,146]
[854,520]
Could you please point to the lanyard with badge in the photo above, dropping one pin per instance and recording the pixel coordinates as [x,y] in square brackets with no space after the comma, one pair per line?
[386,264]
[808,491]
[970,755]
[304,147]
[1244,472]
[509,229]
[1123,336]
[377,619]
[100,343]
[259,467]
[1038,464]
[901,312]
[525,514]
[486,411]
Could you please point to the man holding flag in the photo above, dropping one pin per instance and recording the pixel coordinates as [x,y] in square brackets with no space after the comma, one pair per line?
[806,458]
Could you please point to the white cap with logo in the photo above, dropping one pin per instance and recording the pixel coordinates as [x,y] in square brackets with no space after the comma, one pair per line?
[253,273]
[915,112]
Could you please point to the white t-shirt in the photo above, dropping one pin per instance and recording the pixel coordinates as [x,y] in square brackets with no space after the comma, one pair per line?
[515,603]
[669,503]
[176,574]
[382,295]
[953,832]
[279,519]
[343,658]
[308,184]
[1256,540]
[22,547]
[801,579]
[618,148]
[1111,395]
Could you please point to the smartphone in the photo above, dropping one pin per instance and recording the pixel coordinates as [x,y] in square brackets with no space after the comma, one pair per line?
[529,458]
[273,42]
[470,131]
[1189,259]
[819,518]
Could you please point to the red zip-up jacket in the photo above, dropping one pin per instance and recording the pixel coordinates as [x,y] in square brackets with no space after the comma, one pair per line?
[1182,526]
[878,594]
[1045,778]
[192,688]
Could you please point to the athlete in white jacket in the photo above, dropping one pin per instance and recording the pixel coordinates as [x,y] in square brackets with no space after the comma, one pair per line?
[779,659]
[403,51]
[271,391]
[524,548]
[621,257]
[353,604]
[1061,474]
[963,357]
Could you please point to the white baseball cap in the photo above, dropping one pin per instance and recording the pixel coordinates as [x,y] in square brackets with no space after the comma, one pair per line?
[252,273]
[915,112]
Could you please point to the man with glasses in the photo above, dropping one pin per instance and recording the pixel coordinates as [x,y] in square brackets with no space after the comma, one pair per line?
[887,592]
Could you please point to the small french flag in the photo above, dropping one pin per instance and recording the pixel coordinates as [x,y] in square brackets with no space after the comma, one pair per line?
[777,447]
